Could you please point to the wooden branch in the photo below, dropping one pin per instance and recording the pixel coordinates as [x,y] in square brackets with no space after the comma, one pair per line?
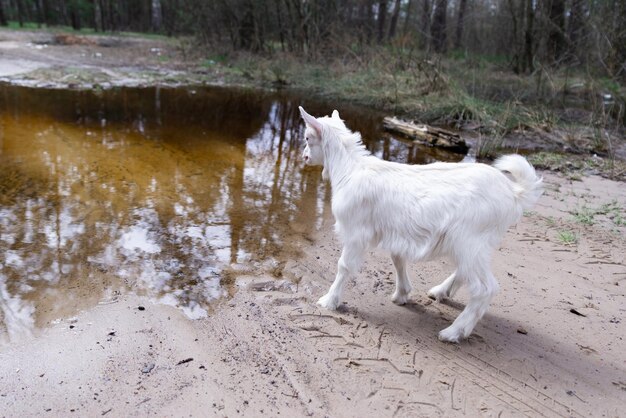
[436,137]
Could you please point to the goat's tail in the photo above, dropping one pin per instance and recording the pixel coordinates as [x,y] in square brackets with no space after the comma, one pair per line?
[527,186]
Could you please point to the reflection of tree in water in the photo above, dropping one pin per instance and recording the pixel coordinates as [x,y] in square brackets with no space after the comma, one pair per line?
[272,188]
[15,313]
[177,242]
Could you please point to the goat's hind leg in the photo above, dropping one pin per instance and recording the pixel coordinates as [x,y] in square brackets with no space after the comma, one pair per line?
[348,265]
[446,289]
[403,285]
[483,287]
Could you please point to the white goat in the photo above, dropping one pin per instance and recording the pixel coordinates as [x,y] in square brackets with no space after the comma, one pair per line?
[459,210]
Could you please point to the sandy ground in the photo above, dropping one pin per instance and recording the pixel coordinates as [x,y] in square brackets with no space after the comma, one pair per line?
[42,59]
[552,343]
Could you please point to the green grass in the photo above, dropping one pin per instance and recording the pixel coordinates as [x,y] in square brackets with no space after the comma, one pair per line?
[212,60]
[14,25]
[33,26]
[615,212]
[610,85]
[479,60]
[567,237]
[551,160]
[584,215]
[587,216]
[550,221]
[576,165]
[411,94]
[448,91]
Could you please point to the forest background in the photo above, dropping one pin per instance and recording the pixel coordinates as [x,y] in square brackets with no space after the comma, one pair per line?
[554,67]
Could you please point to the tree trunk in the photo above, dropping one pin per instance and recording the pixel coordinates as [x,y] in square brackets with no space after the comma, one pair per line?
[617,64]
[409,16]
[556,41]
[62,9]
[281,29]
[20,12]
[3,18]
[104,15]
[529,53]
[97,16]
[246,27]
[45,13]
[517,48]
[369,4]
[382,16]
[437,137]
[157,16]
[459,24]
[300,26]
[38,13]
[576,27]
[74,15]
[113,18]
[439,29]
[394,19]
[425,25]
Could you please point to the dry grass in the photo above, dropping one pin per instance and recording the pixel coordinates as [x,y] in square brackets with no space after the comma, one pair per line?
[476,93]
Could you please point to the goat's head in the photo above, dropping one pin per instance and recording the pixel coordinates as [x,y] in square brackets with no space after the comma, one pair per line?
[313,153]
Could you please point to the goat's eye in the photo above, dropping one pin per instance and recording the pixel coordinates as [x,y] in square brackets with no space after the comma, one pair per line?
[306,138]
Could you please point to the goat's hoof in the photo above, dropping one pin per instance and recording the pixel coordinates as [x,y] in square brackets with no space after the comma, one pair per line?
[437,294]
[450,335]
[328,302]
[400,299]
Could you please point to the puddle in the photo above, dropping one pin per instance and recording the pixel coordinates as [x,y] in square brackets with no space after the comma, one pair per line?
[167,193]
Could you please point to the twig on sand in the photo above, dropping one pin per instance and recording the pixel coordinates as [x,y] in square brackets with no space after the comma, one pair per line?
[402,404]
[380,341]
[144,401]
[452,396]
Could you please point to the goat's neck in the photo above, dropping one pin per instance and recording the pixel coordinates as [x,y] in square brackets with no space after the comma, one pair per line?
[338,162]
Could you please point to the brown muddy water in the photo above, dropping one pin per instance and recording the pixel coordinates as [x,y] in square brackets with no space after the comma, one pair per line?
[167,193]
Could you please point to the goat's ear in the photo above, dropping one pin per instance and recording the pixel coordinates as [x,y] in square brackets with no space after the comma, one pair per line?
[311,121]
[336,114]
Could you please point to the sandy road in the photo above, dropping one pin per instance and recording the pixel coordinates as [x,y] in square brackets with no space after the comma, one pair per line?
[269,350]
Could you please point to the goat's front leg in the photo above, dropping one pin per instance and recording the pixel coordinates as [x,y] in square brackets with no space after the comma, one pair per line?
[348,265]
[403,285]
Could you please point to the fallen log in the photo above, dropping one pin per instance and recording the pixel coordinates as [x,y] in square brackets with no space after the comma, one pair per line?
[436,137]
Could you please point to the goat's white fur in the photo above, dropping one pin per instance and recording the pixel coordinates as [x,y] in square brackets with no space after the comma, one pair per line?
[458,210]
